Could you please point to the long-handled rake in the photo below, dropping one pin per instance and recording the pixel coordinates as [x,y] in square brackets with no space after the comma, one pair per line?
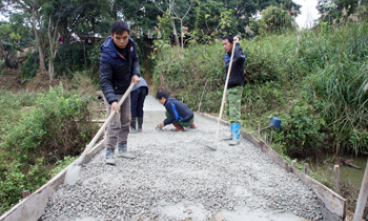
[72,173]
[214,146]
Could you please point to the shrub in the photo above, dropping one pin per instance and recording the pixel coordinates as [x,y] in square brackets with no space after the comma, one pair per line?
[314,80]
[53,129]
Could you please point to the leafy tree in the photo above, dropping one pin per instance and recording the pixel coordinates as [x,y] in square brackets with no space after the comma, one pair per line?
[243,10]
[172,9]
[142,14]
[9,45]
[211,20]
[275,20]
[33,11]
[335,9]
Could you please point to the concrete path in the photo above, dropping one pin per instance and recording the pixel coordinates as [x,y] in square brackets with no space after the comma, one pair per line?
[176,177]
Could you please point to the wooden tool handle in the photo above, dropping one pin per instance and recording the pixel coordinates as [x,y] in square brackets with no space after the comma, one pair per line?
[93,141]
[224,94]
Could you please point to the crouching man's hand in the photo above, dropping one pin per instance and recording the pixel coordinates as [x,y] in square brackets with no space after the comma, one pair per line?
[160,126]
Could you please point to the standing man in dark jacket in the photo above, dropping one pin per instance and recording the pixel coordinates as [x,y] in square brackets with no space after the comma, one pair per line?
[119,66]
[235,85]
[177,113]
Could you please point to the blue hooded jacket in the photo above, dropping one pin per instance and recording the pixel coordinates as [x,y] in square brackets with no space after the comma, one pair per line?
[117,71]
[177,111]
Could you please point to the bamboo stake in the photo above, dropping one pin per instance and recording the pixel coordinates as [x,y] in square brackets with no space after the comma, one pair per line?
[200,102]
[336,179]
[271,136]
[266,139]
[293,164]
[306,167]
[362,199]
[25,193]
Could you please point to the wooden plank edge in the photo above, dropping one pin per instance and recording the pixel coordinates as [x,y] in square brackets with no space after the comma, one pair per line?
[330,212]
[32,207]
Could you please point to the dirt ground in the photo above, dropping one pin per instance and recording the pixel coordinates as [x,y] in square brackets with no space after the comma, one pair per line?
[11,80]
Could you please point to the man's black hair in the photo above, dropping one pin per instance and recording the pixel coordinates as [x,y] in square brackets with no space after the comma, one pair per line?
[161,94]
[119,26]
[230,38]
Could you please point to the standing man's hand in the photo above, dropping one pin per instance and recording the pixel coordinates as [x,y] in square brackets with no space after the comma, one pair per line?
[236,39]
[114,107]
[136,80]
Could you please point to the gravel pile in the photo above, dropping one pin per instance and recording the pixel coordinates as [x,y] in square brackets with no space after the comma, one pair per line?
[176,177]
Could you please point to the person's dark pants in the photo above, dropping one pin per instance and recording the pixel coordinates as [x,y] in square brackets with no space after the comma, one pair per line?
[137,98]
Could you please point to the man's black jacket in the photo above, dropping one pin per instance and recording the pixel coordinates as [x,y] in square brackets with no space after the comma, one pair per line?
[237,70]
[116,71]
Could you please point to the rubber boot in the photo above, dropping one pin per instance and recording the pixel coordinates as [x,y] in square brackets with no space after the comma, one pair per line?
[133,125]
[110,156]
[192,126]
[123,151]
[178,127]
[140,123]
[235,132]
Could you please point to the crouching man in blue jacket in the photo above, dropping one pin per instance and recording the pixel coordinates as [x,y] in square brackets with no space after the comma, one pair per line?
[177,113]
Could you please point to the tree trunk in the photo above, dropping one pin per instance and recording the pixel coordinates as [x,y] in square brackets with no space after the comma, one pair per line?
[171,5]
[53,44]
[2,50]
[39,46]
[174,31]
[182,35]
[51,70]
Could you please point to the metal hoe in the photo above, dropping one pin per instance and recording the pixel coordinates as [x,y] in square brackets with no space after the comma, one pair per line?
[73,171]
[214,147]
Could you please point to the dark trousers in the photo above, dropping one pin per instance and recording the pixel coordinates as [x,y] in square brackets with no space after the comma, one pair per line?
[137,99]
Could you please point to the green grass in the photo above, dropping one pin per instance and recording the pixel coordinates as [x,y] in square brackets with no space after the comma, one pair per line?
[313,80]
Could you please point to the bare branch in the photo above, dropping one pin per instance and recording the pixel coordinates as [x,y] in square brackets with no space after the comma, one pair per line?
[154,2]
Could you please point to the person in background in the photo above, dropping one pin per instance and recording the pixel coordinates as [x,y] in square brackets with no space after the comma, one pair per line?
[235,85]
[119,66]
[177,113]
[137,97]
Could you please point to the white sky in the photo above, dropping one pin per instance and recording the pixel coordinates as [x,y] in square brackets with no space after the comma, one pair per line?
[306,19]
[309,13]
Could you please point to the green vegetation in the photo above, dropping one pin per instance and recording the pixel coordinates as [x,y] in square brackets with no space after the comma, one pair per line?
[39,133]
[312,80]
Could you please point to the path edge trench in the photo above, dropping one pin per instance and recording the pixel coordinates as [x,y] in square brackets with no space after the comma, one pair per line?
[333,206]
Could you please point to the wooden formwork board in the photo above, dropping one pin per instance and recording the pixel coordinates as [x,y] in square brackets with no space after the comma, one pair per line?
[332,204]
[32,207]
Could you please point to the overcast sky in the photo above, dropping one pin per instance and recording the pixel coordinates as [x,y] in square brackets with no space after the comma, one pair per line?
[308,15]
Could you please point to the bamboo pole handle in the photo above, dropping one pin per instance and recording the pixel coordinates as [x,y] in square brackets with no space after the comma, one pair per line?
[362,198]
[224,95]
[100,131]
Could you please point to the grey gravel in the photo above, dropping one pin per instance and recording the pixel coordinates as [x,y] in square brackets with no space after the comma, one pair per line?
[176,177]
